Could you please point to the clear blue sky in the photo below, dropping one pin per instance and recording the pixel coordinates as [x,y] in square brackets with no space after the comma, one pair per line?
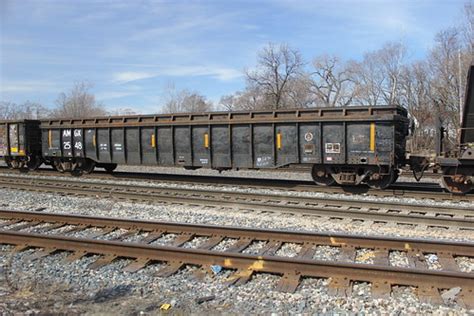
[130,50]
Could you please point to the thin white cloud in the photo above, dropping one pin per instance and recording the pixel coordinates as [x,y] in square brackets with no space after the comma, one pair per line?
[129,76]
[7,86]
[376,16]
[220,73]
[109,95]
[217,72]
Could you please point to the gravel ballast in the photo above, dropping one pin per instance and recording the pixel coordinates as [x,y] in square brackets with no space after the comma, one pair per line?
[52,284]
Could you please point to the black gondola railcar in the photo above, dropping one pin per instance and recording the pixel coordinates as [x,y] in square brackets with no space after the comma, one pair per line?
[347,145]
[20,143]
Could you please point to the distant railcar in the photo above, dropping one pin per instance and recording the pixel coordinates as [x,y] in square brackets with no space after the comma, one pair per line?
[458,167]
[20,143]
[347,145]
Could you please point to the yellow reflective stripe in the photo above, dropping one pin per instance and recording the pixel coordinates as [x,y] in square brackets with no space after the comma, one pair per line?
[93,140]
[153,141]
[372,136]
[279,140]
[206,140]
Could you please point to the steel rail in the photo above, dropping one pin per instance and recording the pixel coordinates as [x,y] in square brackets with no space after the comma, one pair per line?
[342,273]
[355,211]
[333,239]
[413,190]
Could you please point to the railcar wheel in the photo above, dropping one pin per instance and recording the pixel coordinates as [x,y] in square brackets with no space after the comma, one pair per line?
[321,176]
[396,174]
[34,163]
[110,167]
[9,163]
[58,166]
[382,182]
[87,166]
[457,184]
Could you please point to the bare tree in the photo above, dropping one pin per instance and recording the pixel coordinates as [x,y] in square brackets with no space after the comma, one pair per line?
[368,81]
[448,64]
[185,101]
[392,57]
[377,77]
[122,111]
[299,94]
[277,65]
[78,102]
[27,110]
[468,27]
[416,97]
[332,82]
[249,99]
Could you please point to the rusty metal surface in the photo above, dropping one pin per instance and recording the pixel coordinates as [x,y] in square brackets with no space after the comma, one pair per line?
[363,210]
[467,127]
[238,117]
[342,273]
[330,239]
[409,190]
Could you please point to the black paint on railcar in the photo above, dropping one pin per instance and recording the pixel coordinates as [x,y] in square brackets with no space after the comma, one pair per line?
[350,144]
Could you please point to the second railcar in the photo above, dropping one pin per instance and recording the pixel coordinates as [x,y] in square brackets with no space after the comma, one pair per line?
[347,145]
[20,144]
[458,168]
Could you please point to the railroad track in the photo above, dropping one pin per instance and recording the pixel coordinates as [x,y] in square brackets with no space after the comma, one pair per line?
[430,191]
[356,211]
[53,232]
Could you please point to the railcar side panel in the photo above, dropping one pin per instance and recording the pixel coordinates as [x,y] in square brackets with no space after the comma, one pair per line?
[242,154]
[384,144]
[132,146]
[118,145]
[66,142]
[467,126]
[165,146]
[103,143]
[263,145]
[4,139]
[310,143]
[182,145]
[334,148]
[201,146]
[90,140]
[78,142]
[221,146]
[148,146]
[360,145]
[52,142]
[14,140]
[286,144]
